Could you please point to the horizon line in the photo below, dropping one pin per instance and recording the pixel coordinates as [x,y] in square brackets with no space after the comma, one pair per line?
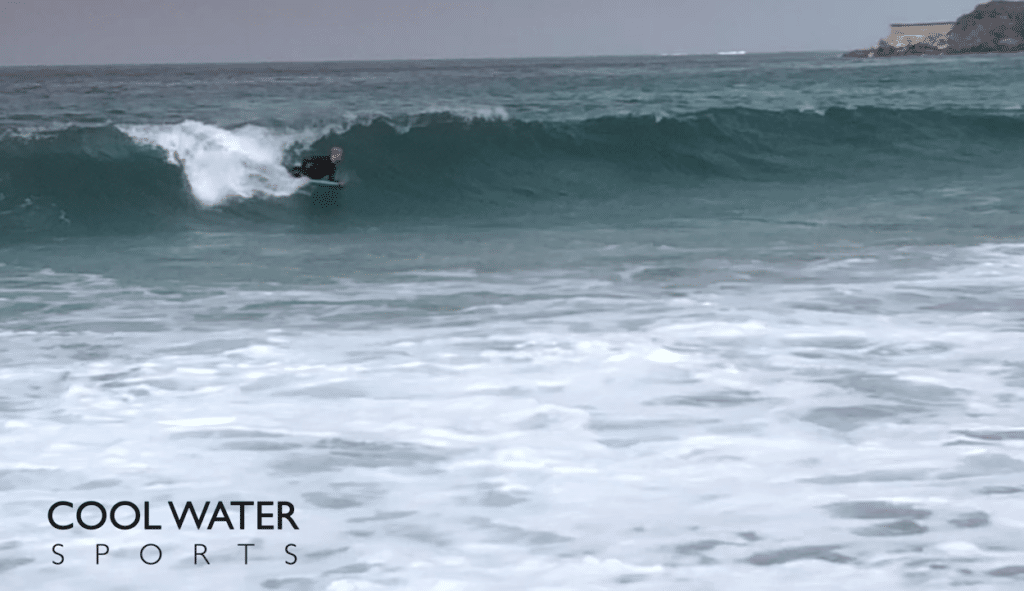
[418,59]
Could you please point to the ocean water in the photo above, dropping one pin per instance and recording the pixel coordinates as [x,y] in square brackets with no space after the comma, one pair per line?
[652,323]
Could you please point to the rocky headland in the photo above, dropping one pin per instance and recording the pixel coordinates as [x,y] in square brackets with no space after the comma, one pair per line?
[992,27]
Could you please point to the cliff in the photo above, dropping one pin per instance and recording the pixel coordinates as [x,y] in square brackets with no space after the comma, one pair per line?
[991,27]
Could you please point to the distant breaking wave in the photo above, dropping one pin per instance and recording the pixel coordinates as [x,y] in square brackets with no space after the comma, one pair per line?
[140,178]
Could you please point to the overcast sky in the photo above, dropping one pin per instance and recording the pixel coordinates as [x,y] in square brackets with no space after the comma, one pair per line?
[55,32]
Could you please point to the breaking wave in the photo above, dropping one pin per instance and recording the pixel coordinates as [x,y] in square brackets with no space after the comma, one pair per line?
[85,180]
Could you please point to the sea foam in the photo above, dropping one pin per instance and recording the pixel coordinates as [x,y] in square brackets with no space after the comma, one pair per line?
[221,164]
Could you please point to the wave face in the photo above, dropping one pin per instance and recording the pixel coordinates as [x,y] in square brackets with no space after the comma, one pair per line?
[86,181]
[140,178]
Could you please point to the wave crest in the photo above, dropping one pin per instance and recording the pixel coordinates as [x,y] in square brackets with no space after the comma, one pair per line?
[221,163]
[446,163]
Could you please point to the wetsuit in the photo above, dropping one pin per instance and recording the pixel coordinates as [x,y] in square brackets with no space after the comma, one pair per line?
[316,167]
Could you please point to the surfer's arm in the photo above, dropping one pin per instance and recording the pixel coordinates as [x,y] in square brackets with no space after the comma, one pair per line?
[300,170]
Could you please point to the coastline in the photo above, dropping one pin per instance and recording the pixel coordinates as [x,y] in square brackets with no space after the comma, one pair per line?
[992,27]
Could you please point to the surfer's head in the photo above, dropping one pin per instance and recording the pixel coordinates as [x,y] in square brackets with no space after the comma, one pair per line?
[336,154]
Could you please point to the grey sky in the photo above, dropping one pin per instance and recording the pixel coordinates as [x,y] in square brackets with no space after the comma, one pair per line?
[185,31]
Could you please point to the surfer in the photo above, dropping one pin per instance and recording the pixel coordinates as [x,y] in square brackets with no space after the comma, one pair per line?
[318,167]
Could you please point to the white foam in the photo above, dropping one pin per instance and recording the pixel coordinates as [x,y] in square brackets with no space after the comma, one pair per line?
[220,163]
[665,356]
[199,422]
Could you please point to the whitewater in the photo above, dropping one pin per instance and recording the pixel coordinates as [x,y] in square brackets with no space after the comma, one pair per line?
[685,322]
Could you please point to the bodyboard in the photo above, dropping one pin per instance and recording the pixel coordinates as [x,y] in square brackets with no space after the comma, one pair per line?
[324,183]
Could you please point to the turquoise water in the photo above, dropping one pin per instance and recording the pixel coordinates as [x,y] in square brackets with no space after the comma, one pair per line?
[723,322]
